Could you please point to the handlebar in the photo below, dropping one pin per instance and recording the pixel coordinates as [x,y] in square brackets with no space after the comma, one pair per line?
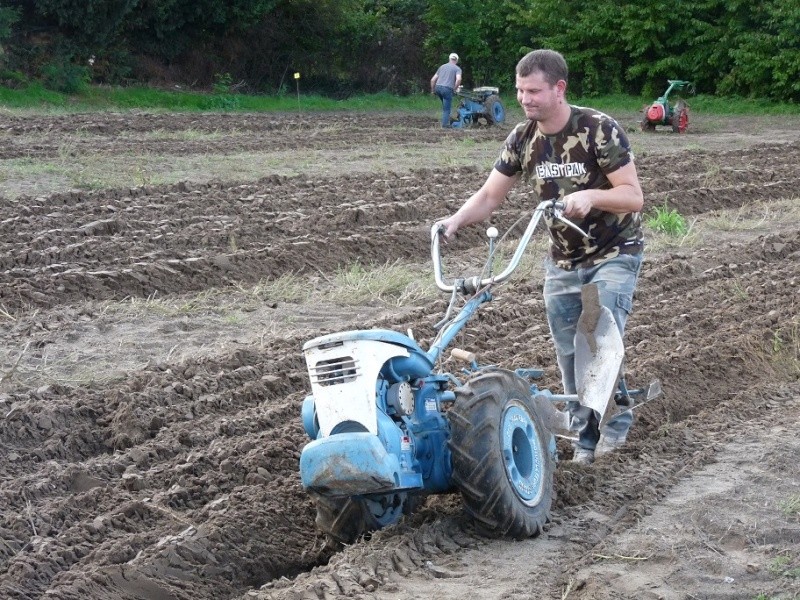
[476,283]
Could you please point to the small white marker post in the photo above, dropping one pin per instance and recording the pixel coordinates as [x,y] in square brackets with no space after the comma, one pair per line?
[297,84]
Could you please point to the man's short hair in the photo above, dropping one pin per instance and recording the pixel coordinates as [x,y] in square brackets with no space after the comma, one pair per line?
[548,62]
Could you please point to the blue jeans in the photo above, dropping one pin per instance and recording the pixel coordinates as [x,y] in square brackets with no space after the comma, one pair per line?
[446,96]
[616,282]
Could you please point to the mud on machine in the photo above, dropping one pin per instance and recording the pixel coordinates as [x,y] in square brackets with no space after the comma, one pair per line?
[388,428]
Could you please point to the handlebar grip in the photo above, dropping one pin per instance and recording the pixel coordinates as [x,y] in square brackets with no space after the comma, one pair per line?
[436,257]
[463,355]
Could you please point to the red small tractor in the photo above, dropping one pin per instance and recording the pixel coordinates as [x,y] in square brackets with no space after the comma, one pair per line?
[661,112]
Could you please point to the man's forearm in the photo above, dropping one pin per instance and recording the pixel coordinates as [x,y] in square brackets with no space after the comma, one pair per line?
[476,209]
[618,200]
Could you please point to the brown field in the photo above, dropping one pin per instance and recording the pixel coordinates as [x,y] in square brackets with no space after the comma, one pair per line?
[159,275]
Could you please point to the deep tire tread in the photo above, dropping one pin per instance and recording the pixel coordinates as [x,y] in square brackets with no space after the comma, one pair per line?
[344,520]
[478,467]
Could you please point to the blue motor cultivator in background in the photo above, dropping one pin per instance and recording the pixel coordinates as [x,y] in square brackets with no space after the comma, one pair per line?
[388,427]
[481,105]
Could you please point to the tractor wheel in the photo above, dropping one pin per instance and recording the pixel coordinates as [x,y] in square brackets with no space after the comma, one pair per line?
[344,519]
[680,117]
[347,519]
[494,110]
[503,457]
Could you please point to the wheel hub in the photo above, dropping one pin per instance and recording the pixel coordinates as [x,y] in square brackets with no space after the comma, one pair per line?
[522,454]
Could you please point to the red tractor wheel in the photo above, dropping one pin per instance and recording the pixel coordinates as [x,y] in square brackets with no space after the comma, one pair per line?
[680,117]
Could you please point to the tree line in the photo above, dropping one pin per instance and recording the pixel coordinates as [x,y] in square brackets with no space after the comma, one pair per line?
[341,47]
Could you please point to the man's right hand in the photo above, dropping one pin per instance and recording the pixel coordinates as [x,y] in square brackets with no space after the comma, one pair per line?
[446,228]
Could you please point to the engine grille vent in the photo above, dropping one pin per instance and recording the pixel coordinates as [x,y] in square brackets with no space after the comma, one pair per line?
[334,371]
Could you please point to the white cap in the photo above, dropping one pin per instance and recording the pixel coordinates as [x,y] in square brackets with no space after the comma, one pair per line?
[454,57]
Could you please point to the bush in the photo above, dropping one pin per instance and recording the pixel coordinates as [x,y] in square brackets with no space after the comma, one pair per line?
[667,220]
[66,77]
[13,79]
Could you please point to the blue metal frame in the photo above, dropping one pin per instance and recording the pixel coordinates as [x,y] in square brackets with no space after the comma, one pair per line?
[457,324]
[472,107]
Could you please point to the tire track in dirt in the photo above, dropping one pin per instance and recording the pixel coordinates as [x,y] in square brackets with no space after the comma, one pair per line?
[421,558]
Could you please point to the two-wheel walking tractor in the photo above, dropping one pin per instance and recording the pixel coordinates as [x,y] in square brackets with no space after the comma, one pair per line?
[388,427]
[481,105]
[661,112]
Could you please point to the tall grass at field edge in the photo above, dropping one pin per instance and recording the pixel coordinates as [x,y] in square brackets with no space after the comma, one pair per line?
[35,97]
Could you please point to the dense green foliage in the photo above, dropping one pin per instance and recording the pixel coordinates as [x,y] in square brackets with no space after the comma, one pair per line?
[340,47]
[8,17]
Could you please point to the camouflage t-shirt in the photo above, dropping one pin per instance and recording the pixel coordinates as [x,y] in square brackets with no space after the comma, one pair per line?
[580,157]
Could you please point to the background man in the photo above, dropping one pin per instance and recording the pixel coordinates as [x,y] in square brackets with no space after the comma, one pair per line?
[444,83]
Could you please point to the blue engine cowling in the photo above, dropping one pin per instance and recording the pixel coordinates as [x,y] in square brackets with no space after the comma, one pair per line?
[399,443]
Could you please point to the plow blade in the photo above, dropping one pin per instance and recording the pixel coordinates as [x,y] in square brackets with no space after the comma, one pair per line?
[598,355]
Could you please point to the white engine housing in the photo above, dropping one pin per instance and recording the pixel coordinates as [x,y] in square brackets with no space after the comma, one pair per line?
[343,374]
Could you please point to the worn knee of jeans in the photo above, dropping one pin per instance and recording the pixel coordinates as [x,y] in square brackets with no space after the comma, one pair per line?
[562,316]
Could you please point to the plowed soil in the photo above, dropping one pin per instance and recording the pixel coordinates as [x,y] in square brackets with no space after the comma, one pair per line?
[150,395]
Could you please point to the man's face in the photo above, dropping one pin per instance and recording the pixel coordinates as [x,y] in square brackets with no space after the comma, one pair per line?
[539,99]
